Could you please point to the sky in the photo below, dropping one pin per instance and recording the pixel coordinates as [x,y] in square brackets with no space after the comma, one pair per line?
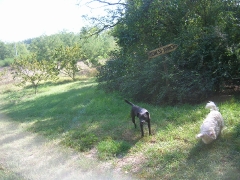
[24,19]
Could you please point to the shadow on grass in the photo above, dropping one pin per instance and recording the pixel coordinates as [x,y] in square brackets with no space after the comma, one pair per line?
[193,159]
[81,116]
[218,160]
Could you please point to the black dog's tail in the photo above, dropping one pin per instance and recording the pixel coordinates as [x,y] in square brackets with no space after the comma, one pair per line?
[129,102]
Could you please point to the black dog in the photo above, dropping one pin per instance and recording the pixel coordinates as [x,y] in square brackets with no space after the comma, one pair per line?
[142,114]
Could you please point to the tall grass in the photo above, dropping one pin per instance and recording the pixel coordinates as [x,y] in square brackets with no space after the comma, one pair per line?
[85,118]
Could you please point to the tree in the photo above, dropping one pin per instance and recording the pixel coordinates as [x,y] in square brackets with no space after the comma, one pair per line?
[68,38]
[7,50]
[113,16]
[10,50]
[29,70]
[44,45]
[67,58]
[207,57]
[96,47]
[3,50]
[21,49]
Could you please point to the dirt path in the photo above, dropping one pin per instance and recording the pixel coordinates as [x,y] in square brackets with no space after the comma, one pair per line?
[33,157]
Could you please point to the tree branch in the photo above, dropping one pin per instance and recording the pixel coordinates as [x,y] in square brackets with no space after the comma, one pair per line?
[105,27]
[108,3]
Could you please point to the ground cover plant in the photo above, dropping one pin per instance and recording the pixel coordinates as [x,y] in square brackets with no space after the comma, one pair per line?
[85,118]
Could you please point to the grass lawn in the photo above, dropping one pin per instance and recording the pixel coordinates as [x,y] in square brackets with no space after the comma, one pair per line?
[87,119]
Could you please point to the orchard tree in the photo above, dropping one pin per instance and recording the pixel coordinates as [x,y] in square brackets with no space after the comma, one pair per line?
[67,58]
[27,69]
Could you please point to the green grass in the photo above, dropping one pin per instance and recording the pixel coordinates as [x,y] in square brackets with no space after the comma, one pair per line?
[111,148]
[9,175]
[85,118]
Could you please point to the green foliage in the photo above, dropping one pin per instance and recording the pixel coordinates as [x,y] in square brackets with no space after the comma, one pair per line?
[10,50]
[6,62]
[27,69]
[67,58]
[96,47]
[43,46]
[3,50]
[21,49]
[207,57]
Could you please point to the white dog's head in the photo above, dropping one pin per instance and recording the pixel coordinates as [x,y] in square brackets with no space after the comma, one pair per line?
[207,136]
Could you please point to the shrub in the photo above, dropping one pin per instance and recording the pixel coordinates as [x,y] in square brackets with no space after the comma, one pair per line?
[207,56]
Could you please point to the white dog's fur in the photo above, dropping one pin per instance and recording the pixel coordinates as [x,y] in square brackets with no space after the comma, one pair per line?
[212,125]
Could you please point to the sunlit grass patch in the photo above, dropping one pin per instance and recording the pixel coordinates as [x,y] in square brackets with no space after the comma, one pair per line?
[110,148]
[79,140]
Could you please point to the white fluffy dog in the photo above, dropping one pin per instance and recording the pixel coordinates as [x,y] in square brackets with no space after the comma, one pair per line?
[212,125]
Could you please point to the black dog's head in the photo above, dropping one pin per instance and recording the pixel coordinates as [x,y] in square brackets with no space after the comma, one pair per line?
[143,117]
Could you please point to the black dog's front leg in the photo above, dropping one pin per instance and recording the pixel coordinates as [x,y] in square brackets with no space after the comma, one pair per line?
[141,125]
[149,128]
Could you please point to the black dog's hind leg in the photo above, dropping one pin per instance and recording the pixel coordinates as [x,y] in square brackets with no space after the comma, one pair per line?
[133,119]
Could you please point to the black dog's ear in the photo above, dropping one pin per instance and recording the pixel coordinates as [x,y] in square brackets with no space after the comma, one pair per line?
[148,114]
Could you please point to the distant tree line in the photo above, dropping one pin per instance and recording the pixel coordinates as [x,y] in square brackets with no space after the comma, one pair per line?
[45,57]
[206,60]
[94,47]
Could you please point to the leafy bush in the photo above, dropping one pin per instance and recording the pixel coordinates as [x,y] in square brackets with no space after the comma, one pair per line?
[207,57]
